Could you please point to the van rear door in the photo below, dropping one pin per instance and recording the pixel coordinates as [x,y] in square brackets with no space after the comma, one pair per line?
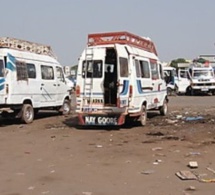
[91,81]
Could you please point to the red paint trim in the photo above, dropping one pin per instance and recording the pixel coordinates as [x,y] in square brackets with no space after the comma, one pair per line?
[121,38]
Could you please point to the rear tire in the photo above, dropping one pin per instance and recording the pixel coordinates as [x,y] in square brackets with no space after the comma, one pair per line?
[27,115]
[164,108]
[143,116]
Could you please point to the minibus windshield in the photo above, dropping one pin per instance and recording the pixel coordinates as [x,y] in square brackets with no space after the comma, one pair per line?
[203,73]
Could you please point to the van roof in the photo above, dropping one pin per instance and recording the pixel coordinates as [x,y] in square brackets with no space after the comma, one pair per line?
[22,45]
[122,38]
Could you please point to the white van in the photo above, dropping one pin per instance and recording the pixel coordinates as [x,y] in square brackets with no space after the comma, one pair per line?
[119,78]
[30,79]
[197,78]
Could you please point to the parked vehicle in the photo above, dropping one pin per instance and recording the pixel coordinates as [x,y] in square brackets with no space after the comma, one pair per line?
[30,79]
[198,78]
[119,79]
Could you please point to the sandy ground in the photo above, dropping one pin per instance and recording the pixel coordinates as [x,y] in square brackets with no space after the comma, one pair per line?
[52,156]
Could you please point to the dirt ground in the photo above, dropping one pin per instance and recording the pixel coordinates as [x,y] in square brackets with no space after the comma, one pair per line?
[52,156]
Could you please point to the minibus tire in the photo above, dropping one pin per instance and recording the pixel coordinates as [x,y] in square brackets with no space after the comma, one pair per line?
[27,113]
[164,108]
[66,107]
[143,116]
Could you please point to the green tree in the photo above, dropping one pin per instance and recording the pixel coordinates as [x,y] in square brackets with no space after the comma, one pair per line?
[174,63]
[200,60]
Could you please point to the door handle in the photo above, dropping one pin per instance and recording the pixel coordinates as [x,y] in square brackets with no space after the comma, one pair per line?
[42,84]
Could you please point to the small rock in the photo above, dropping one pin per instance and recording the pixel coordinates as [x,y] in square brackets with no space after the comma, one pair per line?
[31,188]
[191,188]
[193,164]
[147,172]
[87,193]
[157,148]
[99,146]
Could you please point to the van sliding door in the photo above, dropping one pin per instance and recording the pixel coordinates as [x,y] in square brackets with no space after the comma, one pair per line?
[48,85]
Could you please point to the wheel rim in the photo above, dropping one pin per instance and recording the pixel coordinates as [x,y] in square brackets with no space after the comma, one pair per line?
[66,108]
[29,114]
[143,116]
[165,108]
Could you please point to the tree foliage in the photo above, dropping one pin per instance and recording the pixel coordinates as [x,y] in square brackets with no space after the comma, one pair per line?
[174,63]
[200,60]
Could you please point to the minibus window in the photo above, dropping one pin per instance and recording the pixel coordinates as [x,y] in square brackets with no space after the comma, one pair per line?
[60,75]
[154,70]
[21,70]
[137,67]
[93,69]
[161,71]
[123,67]
[47,72]
[31,71]
[145,71]
[1,68]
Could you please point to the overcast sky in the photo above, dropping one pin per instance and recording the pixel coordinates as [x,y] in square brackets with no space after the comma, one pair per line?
[179,28]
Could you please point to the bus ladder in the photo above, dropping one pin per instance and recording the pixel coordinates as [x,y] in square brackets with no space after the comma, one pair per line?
[88,82]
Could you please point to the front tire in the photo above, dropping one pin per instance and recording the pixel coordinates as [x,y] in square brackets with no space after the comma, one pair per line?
[65,108]
[27,113]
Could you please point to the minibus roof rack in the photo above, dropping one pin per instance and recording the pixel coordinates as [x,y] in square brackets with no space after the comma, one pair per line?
[22,45]
[121,38]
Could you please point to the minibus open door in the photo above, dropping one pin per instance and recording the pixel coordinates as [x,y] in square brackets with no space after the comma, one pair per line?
[125,89]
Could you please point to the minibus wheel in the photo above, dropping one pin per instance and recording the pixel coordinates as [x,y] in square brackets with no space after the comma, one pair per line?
[66,107]
[143,116]
[164,108]
[27,113]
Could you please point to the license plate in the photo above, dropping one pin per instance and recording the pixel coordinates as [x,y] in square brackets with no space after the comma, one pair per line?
[101,120]
[204,89]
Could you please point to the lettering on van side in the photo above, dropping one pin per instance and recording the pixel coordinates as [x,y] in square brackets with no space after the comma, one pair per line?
[95,101]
